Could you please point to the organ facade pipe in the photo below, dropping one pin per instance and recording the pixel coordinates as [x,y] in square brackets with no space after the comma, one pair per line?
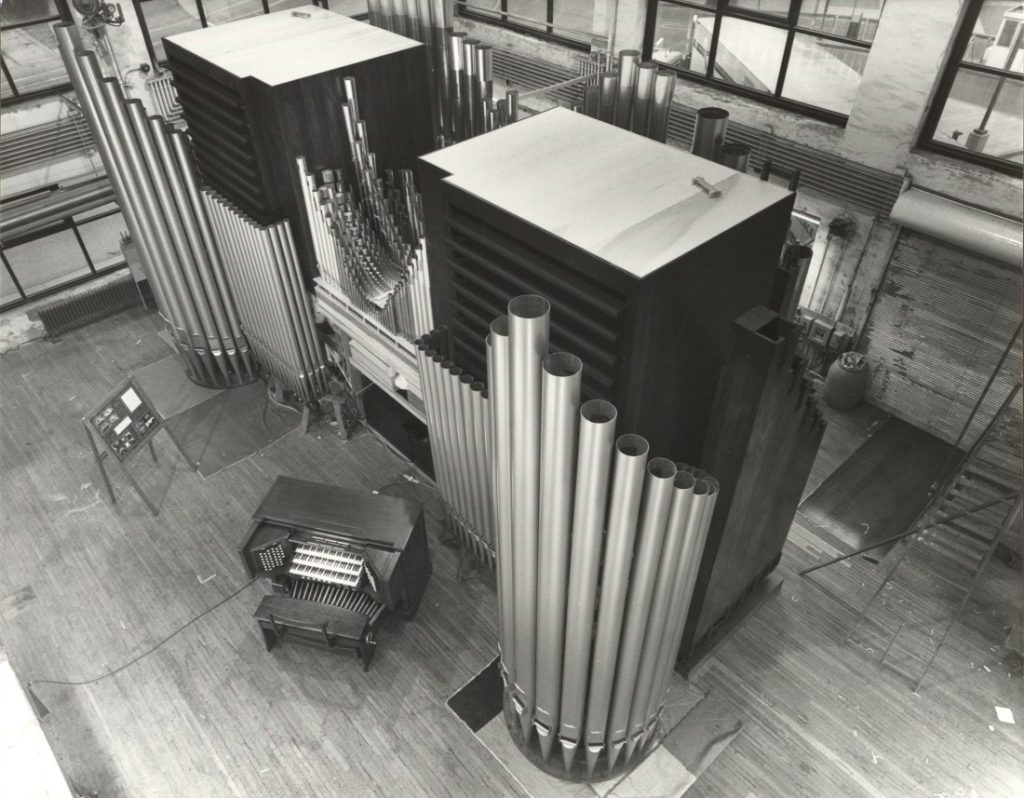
[144,161]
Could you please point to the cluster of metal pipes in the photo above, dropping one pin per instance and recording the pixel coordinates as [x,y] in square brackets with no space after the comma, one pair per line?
[368,237]
[460,68]
[459,421]
[264,271]
[709,129]
[149,165]
[598,548]
[637,96]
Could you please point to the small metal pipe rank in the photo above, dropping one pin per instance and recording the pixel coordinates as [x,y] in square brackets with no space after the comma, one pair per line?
[636,96]
[150,168]
[263,268]
[598,546]
[459,420]
[368,237]
[460,68]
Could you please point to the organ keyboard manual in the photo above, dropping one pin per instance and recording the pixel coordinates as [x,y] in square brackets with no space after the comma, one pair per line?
[340,562]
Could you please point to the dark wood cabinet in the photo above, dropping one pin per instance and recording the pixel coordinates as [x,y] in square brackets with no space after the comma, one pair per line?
[645,272]
[261,92]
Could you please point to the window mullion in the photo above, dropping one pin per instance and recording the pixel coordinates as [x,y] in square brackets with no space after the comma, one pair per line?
[785,61]
[713,51]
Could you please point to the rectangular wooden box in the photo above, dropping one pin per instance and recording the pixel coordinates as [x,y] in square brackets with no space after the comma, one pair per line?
[259,92]
[645,272]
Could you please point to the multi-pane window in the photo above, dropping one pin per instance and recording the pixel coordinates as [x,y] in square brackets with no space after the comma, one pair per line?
[29,58]
[978,111]
[564,21]
[807,55]
[161,18]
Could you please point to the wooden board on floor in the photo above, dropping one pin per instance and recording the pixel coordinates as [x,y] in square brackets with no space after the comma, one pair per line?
[881,490]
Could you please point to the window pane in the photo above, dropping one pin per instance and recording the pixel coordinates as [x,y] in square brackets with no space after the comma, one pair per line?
[47,261]
[851,19]
[220,11]
[824,72]
[575,17]
[167,17]
[983,114]
[102,239]
[531,13]
[32,57]
[16,11]
[777,8]
[682,37]
[749,54]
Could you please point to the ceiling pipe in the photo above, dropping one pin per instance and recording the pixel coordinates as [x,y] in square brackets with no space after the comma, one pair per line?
[996,237]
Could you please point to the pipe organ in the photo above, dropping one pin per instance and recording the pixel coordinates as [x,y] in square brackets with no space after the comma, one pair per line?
[150,168]
[645,272]
[636,95]
[340,562]
[598,546]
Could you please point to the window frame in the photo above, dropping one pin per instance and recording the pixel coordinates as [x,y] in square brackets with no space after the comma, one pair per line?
[954,63]
[789,23]
[504,19]
[17,97]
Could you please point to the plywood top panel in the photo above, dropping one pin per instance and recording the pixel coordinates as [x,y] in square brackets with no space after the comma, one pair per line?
[289,45]
[622,197]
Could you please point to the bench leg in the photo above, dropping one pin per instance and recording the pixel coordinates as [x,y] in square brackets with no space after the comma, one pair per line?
[269,637]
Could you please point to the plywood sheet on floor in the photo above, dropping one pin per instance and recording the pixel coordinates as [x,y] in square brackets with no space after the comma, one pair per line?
[881,489]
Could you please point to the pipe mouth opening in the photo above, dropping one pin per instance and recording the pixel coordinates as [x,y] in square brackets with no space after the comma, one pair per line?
[432,354]
[702,488]
[455,371]
[529,306]
[468,379]
[662,467]
[629,53]
[562,364]
[632,445]
[713,113]
[648,65]
[500,326]
[598,411]
[477,386]
[684,480]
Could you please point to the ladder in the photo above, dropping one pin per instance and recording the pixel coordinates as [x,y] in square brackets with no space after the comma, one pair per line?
[942,559]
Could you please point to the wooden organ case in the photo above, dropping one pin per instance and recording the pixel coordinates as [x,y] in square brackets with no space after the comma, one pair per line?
[645,271]
[262,91]
[340,561]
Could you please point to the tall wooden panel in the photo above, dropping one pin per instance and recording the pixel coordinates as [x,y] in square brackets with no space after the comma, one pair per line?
[762,440]
[645,272]
[259,92]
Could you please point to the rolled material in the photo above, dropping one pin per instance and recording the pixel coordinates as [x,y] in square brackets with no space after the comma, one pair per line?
[709,133]
[661,105]
[501,480]
[623,513]
[629,67]
[528,325]
[560,391]
[644,98]
[735,156]
[597,433]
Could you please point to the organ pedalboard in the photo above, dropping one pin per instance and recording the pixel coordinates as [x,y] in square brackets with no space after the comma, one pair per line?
[340,562]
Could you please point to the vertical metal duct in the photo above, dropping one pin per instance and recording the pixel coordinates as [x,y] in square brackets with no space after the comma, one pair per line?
[709,133]
[629,64]
[661,104]
[735,156]
[643,100]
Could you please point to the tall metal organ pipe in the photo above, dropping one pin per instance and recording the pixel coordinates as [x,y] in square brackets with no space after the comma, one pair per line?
[597,551]
[146,164]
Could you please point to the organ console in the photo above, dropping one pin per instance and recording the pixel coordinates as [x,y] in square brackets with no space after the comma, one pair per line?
[340,562]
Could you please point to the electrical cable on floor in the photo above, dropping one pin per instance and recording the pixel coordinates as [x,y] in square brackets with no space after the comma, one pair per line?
[146,653]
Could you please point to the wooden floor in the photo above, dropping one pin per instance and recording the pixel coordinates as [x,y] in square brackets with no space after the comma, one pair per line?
[86,587]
